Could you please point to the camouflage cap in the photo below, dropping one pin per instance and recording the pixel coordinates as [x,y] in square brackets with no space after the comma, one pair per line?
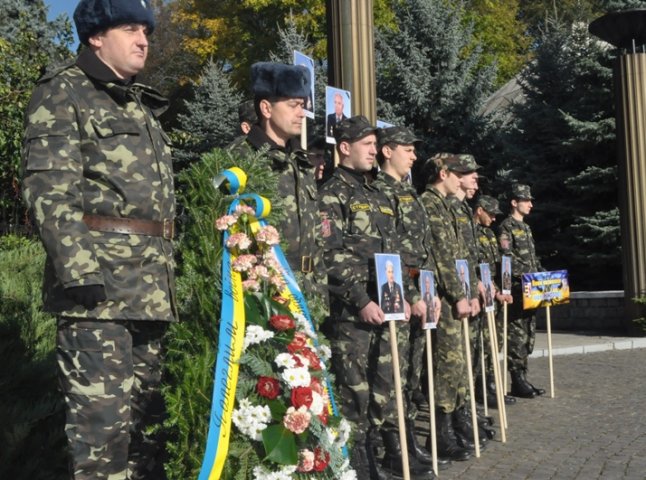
[467,163]
[439,162]
[488,204]
[520,191]
[353,128]
[398,135]
[247,112]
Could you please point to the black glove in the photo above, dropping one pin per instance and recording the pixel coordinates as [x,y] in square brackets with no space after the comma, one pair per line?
[87,295]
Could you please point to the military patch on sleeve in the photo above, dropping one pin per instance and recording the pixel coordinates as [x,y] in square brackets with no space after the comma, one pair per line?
[387,211]
[359,207]
[504,242]
[405,198]
[326,228]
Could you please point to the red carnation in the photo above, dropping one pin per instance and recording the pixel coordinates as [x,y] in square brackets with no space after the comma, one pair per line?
[316,386]
[282,322]
[324,415]
[321,460]
[268,387]
[312,357]
[302,397]
[298,344]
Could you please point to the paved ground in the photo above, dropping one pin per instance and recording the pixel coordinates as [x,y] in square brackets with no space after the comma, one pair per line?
[594,428]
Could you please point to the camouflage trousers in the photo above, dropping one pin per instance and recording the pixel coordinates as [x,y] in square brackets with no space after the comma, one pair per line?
[450,374]
[363,370]
[110,373]
[521,334]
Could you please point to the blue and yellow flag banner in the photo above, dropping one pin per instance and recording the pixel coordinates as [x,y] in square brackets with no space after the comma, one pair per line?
[544,289]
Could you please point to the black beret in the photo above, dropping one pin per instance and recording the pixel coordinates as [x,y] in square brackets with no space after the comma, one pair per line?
[93,16]
[279,80]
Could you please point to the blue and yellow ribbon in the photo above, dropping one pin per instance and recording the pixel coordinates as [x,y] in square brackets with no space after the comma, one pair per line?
[230,342]
[232,326]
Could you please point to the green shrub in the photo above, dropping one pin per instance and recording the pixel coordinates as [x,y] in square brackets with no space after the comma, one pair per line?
[31,407]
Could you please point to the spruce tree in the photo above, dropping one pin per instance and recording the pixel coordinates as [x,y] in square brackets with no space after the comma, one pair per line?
[430,77]
[561,141]
[211,118]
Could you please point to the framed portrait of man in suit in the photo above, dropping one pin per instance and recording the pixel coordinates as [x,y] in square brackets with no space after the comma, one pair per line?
[389,285]
[485,276]
[462,267]
[505,268]
[427,290]
[337,108]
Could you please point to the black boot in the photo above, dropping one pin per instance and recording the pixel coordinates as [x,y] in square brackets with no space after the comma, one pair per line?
[492,400]
[393,458]
[447,445]
[520,387]
[415,449]
[463,427]
[537,390]
[376,472]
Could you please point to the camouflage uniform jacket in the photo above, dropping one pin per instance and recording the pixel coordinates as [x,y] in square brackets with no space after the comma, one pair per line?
[446,244]
[516,240]
[94,145]
[298,195]
[413,231]
[358,222]
[489,253]
[466,229]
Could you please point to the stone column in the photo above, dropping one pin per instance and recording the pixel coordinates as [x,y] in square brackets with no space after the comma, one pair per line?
[626,30]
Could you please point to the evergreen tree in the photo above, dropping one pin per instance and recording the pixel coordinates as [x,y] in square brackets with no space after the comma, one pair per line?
[561,141]
[429,77]
[211,118]
[27,44]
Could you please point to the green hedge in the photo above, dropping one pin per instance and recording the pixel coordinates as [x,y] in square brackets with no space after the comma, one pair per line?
[31,407]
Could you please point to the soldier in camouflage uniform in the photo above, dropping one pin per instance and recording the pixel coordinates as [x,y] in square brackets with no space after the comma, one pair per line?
[516,240]
[97,176]
[358,221]
[439,179]
[485,210]
[279,92]
[468,173]
[396,155]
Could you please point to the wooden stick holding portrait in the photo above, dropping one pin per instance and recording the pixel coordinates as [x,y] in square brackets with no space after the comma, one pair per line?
[391,301]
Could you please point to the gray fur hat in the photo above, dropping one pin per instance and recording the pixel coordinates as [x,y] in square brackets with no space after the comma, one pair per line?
[93,16]
[279,80]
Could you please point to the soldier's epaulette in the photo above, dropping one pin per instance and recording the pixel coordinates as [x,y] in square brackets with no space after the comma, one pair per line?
[52,70]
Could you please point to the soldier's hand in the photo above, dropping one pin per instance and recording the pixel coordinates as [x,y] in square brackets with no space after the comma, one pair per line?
[418,309]
[87,295]
[372,314]
[407,310]
[475,306]
[510,299]
[481,290]
[462,308]
[437,303]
